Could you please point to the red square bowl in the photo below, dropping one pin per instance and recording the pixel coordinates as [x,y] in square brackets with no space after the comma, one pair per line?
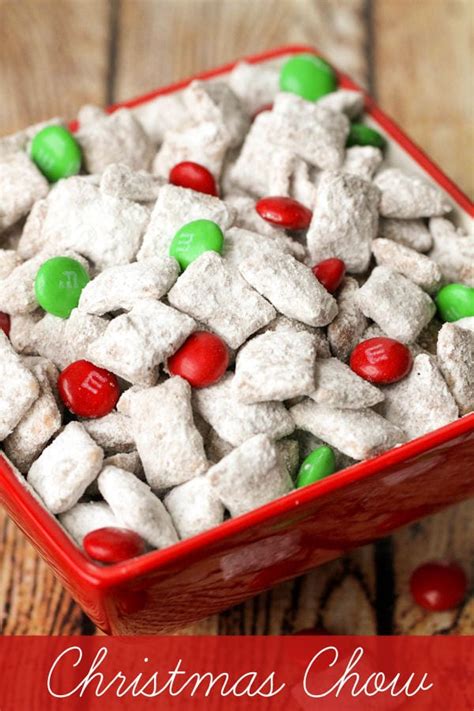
[165,590]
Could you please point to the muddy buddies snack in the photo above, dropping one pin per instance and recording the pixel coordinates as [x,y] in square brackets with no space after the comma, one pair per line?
[216,297]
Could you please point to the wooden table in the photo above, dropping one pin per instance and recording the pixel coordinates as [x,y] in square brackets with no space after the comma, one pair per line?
[413,55]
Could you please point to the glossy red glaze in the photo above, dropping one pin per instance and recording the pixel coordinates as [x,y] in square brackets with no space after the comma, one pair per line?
[438,586]
[330,272]
[5,323]
[202,359]
[284,212]
[166,590]
[113,545]
[381,360]
[88,391]
[192,175]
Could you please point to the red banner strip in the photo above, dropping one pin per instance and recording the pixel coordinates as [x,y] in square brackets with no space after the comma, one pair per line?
[290,673]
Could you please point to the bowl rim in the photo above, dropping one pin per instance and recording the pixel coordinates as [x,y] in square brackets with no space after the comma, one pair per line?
[61,546]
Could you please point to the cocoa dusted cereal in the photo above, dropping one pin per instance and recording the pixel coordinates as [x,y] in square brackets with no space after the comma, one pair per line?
[216,297]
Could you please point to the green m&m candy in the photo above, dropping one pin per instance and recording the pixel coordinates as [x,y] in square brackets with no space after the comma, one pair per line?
[56,153]
[455,301]
[362,135]
[195,238]
[308,76]
[58,285]
[317,465]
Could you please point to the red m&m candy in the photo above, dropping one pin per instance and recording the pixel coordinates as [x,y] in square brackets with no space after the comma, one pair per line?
[381,360]
[88,391]
[113,545]
[5,323]
[202,359]
[330,273]
[192,175]
[438,586]
[284,212]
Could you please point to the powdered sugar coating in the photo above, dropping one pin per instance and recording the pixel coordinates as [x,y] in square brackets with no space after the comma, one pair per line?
[345,221]
[290,286]
[21,184]
[250,476]
[263,168]
[134,344]
[346,101]
[9,260]
[276,365]
[65,468]
[19,388]
[86,517]
[455,351]
[236,421]
[121,181]
[254,84]
[240,243]
[419,268]
[360,434]
[453,250]
[21,331]
[163,114]
[362,161]
[122,287]
[313,132]
[105,229]
[411,233]
[136,507]
[194,507]
[214,294]
[39,424]
[216,103]
[350,323]
[398,306]
[205,144]
[167,440]
[112,432]
[113,138]
[421,402]
[282,324]
[338,386]
[409,196]
[176,207]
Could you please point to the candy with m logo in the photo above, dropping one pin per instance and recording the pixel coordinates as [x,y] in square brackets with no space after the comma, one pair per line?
[88,391]
[381,360]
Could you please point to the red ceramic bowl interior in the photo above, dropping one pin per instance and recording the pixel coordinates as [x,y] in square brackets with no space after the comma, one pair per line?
[165,590]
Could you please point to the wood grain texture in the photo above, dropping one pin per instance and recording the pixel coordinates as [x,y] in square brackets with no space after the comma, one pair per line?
[97,51]
[423,77]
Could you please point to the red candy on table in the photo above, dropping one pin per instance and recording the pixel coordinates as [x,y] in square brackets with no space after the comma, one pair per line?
[88,391]
[381,360]
[192,175]
[438,586]
[202,359]
[113,545]
[5,323]
[284,212]
[330,272]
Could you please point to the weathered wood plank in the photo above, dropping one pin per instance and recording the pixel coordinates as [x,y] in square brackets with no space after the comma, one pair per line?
[53,57]
[423,59]
[161,41]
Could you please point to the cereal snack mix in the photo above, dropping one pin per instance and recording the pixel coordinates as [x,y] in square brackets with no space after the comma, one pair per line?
[217,297]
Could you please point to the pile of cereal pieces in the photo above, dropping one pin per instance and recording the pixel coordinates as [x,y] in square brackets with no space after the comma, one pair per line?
[206,305]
